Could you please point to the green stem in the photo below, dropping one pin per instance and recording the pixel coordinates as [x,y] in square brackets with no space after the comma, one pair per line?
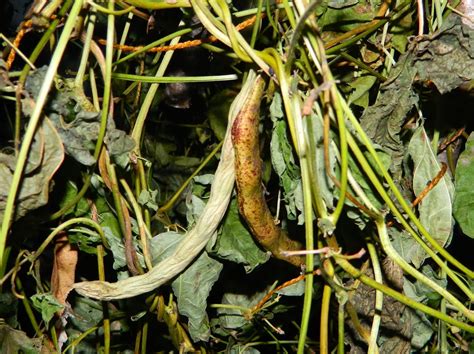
[34,55]
[105,310]
[143,231]
[74,200]
[111,12]
[109,53]
[33,124]
[148,100]
[18,51]
[154,44]
[230,307]
[340,328]
[28,309]
[85,50]
[125,32]
[374,332]
[406,208]
[364,66]
[397,13]
[257,24]
[386,244]
[64,226]
[343,151]
[174,79]
[324,320]
[388,248]
[344,264]
[309,238]
[79,339]
[144,338]
[227,18]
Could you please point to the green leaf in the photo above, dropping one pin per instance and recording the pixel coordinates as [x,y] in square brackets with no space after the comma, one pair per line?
[361,86]
[86,242]
[192,289]
[296,289]
[421,326]
[70,193]
[315,130]
[116,246]
[407,247]
[346,14]
[382,122]
[402,29]
[113,235]
[47,305]
[193,286]
[163,245]
[47,154]
[446,59]
[435,209]
[236,244]
[14,341]
[148,199]
[232,318]
[186,161]
[87,313]
[464,191]
[195,206]
[77,121]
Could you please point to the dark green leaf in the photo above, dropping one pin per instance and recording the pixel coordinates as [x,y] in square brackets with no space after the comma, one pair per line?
[87,313]
[35,187]
[86,242]
[345,17]
[14,341]
[192,289]
[77,121]
[148,199]
[47,305]
[232,318]
[422,328]
[436,207]
[112,233]
[447,58]
[383,121]
[241,349]
[339,4]
[236,244]
[163,245]
[70,193]
[464,195]
[361,86]
[407,247]
[193,286]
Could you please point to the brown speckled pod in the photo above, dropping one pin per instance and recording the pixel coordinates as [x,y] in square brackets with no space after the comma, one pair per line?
[248,175]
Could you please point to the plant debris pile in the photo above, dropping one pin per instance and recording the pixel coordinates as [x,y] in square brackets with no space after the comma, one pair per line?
[258,176]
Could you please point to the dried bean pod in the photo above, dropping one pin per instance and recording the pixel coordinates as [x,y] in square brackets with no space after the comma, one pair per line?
[248,175]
